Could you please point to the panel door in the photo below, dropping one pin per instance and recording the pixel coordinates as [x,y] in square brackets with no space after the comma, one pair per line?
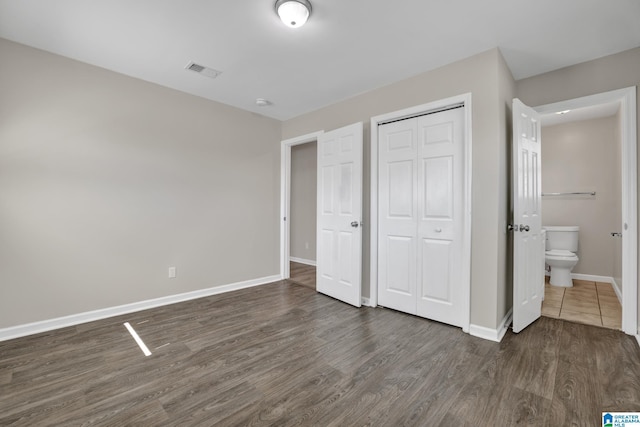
[440,172]
[528,245]
[339,231]
[397,217]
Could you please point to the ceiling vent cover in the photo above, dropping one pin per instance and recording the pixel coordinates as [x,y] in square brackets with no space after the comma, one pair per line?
[201,69]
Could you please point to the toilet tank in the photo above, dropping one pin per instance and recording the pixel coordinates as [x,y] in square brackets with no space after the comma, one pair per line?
[562,237]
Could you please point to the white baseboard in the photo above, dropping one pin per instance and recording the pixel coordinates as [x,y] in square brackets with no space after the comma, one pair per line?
[638,339]
[302,261]
[492,334]
[594,278]
[617,289]
[366,302]
[89,316]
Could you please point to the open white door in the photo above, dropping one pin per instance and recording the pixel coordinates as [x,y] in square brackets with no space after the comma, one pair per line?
[528,246]
[339,227]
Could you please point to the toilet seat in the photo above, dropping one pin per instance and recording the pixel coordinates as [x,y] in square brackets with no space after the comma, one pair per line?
[560,254]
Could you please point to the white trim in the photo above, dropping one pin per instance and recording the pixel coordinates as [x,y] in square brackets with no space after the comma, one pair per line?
[90,316]
[466,234]
[366,302]
[492,334]
[617,290]
[627,99]
[285,196]
[638,339]
[302,261]
[592,278]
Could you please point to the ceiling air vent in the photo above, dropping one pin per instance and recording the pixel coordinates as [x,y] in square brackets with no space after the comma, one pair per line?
[201,69]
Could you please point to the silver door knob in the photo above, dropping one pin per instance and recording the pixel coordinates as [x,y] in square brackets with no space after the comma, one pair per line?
[355,224]
[524,227]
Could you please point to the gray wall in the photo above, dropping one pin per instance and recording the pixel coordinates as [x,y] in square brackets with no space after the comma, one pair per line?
[485,76]
[585,156]
[304,165]
[601,75]
[106,181]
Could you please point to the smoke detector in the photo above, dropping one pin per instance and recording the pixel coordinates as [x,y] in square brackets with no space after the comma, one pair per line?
[201,69]
[261,102]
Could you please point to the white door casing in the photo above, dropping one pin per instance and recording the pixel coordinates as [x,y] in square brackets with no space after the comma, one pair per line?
[528,250]
[421,216]
[339,224]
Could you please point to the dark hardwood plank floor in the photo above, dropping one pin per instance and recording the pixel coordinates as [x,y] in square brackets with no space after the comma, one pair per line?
[303,274]
[282,354]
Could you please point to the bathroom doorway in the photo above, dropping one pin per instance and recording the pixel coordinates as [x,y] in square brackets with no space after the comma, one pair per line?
[588,175]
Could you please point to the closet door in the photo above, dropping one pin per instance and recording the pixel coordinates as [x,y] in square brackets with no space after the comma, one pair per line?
[421,216]
[397,226]
[440,172]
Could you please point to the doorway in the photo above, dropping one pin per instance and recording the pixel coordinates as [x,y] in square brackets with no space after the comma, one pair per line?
[625,98]
[285,211]
[302,224]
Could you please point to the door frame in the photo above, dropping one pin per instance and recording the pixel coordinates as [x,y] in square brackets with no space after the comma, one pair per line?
[285,196]
[629,141]
[464,99]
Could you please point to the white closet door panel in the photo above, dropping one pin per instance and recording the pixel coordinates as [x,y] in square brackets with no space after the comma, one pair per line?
[397,216]
[400,188]
[440,216]
[438,187]
[436,261]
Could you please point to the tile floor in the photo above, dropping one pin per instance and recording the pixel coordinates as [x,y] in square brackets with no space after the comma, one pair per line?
[592,303]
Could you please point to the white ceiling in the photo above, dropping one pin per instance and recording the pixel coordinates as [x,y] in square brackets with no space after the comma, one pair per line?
[580,114]
[347,47]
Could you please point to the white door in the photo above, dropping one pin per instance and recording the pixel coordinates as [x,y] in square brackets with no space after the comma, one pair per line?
[440,220]
[339,228]
[421,190]
[397,215]
[528,260]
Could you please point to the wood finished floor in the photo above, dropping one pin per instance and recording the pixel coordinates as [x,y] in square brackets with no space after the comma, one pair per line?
[303,274]
[282,354]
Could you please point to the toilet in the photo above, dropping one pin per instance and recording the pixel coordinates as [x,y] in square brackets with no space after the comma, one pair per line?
[561,246]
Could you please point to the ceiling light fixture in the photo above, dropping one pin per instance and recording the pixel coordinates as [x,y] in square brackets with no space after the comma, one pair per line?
[294,13]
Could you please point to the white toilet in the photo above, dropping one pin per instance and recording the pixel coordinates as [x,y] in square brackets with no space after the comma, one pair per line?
[561,246]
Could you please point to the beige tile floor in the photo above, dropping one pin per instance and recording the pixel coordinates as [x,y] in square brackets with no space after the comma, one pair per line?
[592,303]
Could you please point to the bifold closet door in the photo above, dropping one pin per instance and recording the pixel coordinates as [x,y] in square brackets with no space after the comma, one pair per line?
[421,170]
[398,215]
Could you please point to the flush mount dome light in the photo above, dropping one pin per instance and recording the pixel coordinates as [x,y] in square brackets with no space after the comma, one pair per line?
[294,13]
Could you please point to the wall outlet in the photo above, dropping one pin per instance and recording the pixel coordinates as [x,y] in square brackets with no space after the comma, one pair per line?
[172,272]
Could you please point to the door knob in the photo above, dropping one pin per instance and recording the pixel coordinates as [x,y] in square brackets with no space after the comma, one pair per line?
[438,230]
[524,227]
[355,224]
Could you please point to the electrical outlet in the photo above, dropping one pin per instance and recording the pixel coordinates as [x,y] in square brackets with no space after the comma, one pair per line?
[172,272]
